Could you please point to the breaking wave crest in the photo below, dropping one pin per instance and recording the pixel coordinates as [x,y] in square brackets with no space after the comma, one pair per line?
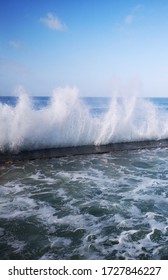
[67,121]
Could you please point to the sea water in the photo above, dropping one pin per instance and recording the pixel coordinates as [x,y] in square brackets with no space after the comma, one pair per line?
[106,206]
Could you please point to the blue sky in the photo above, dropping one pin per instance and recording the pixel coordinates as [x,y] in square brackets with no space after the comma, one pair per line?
[98,46]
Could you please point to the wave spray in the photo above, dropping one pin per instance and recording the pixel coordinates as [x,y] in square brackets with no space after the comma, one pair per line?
[67,121]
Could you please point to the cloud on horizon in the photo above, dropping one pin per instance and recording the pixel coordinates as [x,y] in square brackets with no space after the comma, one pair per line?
[53,22]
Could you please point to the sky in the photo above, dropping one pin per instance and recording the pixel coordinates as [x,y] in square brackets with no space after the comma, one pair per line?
[98,46]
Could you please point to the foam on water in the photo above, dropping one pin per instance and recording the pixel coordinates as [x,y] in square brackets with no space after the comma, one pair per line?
[95,207]
[66,121]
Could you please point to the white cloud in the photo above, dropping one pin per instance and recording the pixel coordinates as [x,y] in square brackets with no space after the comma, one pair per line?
[53,22]
[129,19]
[137,8]
[15,44]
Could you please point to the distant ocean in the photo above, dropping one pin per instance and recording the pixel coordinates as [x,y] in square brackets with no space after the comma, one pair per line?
[101,206]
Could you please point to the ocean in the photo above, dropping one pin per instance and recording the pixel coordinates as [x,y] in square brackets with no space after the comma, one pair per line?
[107,206]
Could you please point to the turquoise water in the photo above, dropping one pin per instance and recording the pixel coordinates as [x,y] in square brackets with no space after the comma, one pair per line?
[109,206]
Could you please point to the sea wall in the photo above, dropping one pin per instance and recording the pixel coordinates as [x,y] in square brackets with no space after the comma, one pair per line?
[80,150]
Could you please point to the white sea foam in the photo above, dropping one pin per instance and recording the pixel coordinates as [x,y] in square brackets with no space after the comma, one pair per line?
[67,121]
[95,211]
[17,245]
